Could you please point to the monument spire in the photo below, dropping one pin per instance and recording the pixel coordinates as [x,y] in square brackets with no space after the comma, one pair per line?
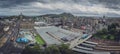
[21,15]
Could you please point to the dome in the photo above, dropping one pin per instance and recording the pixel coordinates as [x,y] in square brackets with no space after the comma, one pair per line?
[22,40]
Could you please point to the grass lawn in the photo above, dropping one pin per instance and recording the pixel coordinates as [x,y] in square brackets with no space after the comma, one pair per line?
[39,40]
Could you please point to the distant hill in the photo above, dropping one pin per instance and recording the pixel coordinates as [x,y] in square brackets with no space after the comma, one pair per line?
[67,15]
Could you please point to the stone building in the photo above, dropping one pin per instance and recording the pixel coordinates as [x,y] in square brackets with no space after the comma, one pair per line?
[26,23]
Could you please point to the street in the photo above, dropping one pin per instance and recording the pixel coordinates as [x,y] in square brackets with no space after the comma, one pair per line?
[11,46]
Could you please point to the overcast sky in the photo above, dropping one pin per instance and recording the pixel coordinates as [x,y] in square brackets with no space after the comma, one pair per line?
[76,7]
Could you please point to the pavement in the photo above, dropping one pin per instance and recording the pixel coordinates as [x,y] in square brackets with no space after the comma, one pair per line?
[78,41]
[11,46]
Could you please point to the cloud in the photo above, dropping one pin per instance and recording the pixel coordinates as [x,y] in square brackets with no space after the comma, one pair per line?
[37,7]
[112,4]
[14,3]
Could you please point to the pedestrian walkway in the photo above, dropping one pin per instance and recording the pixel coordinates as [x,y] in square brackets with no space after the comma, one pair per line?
[78,41]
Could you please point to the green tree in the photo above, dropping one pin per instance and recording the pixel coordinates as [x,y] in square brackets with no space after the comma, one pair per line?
[111,37]
[113,26]
[53,49]
[32,50]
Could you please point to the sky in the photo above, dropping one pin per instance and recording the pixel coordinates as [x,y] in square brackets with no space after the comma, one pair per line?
[76,7]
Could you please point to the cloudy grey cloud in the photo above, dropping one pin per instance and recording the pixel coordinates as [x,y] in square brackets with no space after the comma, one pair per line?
[77,7]
[13,3]
[112,4]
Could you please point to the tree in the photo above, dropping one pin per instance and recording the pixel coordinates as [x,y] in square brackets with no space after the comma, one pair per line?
[53,49]
[111,37]
[113,26]
[32,50]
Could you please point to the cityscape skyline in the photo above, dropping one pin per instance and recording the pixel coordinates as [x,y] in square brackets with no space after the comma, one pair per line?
[59,26]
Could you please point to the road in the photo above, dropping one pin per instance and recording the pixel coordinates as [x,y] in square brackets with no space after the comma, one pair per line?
[9,47]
